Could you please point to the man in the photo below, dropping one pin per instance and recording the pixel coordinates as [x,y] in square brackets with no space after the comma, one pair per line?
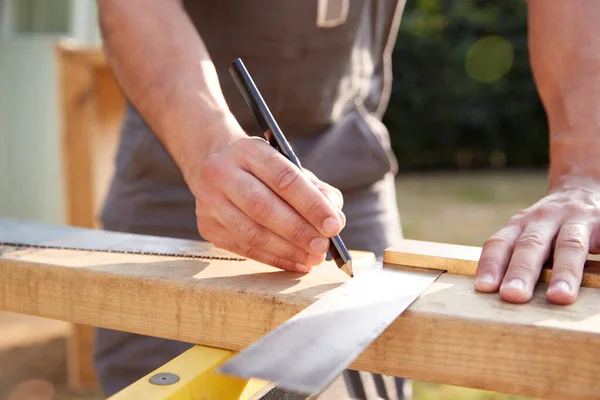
[190,163]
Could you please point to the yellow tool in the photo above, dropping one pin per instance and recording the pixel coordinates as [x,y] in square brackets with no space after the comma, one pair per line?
[192,375]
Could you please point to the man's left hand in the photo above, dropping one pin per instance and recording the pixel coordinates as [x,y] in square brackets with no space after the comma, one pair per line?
[563,225]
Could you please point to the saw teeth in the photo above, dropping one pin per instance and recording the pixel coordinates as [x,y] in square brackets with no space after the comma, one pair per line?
[194,256]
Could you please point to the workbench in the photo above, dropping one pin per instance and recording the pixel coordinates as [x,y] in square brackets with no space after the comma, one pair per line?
[451,334]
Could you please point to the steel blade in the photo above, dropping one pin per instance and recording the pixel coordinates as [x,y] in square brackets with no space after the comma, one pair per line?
[15,232]
[306,353]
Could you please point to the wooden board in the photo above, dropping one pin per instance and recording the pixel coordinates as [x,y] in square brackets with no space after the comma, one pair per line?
[462,260]
[451,334]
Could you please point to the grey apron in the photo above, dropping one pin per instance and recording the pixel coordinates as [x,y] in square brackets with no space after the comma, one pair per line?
[324,69]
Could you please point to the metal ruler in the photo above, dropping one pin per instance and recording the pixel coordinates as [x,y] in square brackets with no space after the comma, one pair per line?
[309,351]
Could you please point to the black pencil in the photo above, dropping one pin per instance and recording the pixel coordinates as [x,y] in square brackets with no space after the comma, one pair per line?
[275,137]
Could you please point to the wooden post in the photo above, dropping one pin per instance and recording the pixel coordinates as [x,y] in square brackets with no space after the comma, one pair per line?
[91,108]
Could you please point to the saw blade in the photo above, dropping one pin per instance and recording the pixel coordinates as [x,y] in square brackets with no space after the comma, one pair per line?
[309,351]
[20,233]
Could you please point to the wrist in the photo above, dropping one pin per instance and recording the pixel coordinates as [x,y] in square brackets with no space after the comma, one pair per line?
[203,141]
[574,158]
[567,182]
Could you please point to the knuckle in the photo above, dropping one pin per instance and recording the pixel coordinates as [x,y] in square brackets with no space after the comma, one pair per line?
[314,207]
[294,254]
[255,235]
[246,145]
[287,177]
[260,205]
[521,269]
[212,169]
[515,220]
[571,242]
[252,253]
[530,240]
[240,145]
[299,232]
[569,273]
[281,263]
[547,209]
[231,245]
[495,239]
[247,149]
[488,261]
[574,208]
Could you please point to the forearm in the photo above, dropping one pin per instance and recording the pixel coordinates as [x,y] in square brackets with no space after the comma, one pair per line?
[564,39]
[166,72]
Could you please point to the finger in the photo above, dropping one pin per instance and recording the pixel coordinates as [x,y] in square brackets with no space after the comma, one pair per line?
[333,194]
[255,236]
[265,208]
[570,254]
[530,252]
[495,256]
[223,239]
[291,184]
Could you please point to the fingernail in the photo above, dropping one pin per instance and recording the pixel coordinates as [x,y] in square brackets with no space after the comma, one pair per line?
[319,245]
[331,226]
[302,268]
[485,281]
[515,284]
[561,286]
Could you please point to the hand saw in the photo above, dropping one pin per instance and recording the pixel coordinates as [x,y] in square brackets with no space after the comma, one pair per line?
[19,233]
[307,352]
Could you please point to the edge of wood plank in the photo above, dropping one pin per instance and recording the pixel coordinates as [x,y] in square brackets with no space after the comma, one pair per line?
[462,260]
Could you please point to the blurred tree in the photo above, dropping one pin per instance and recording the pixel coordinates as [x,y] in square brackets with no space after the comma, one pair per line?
[463,95]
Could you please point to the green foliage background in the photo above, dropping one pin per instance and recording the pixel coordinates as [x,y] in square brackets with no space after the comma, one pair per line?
[439,117]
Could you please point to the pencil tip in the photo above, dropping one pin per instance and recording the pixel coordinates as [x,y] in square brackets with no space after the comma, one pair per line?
[347,268]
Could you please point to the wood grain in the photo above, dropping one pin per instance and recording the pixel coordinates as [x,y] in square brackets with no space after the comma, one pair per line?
[462,260]
[451,334]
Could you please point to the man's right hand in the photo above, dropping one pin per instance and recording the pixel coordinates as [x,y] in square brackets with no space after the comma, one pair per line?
[250,199]
[254,202]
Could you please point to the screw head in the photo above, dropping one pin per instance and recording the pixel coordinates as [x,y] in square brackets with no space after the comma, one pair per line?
[164,378]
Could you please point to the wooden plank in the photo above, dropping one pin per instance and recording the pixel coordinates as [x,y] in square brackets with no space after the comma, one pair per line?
[195,371]
[451,334]
[462,260]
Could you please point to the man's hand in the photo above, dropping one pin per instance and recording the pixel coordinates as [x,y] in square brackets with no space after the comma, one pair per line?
[253,201]
[250,199]
[562,225]
[564,42]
